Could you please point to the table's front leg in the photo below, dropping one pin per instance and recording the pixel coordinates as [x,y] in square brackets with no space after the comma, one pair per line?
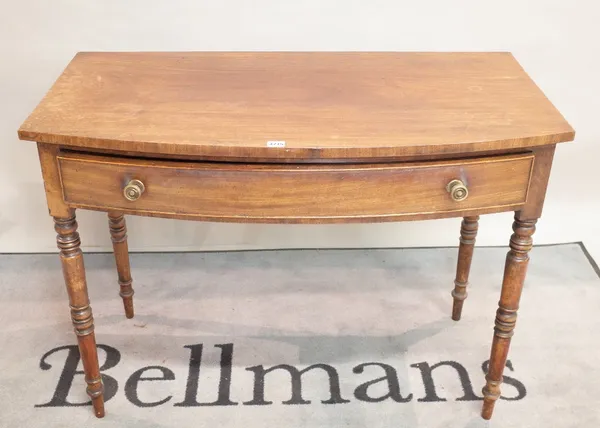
[81,313]
[515,269]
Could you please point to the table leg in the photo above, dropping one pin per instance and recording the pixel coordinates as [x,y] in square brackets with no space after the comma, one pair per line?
[506,316]
[81,313]
[118,234]
[468,232]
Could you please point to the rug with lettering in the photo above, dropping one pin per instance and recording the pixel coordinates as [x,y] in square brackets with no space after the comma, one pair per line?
[302,338]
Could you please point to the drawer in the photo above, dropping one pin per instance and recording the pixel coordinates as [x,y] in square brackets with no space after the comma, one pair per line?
[295,193]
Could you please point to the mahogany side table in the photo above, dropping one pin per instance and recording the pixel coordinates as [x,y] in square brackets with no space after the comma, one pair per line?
[295,137]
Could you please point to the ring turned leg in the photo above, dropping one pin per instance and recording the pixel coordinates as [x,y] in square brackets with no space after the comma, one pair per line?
[468,232]
[81,313]
[506,316]
[118,234]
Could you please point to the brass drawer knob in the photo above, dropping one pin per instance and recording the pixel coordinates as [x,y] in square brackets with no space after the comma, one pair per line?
[133,190]
[458,190]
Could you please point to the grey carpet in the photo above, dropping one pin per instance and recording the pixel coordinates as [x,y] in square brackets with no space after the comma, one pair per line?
[338,308]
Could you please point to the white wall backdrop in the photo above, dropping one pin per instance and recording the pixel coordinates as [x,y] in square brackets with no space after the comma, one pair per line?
[556,41]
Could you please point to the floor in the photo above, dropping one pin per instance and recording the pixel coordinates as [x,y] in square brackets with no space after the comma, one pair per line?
[302,338]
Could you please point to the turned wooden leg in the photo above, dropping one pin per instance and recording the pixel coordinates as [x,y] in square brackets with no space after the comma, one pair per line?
[468,232]
[506,316]
[118,234]
[81,313]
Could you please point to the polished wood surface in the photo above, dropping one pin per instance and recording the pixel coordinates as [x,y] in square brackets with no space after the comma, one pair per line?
[68,243]
[295,193]
[296,138]
[52,182]
[118,235]
[515,269]
[323,105]
[468,233]
[539,183]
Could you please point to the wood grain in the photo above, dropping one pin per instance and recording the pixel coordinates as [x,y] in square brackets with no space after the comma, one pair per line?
[118,236]
[52,183]
[71,258]
[468,233]
[324,105]
[297,193]
[515,270]
[539,183]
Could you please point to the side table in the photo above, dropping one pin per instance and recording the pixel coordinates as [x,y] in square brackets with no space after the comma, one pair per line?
[295,137]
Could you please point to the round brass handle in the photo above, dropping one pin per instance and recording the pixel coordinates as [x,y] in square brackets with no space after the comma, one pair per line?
[458,190]
[133,190]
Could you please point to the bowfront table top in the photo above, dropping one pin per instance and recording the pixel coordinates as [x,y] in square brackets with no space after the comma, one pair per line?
[296,137]
[323,105]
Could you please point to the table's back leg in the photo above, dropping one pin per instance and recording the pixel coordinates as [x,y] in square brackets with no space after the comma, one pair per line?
[468,232]
[118,234]
[515,269]
[81,313]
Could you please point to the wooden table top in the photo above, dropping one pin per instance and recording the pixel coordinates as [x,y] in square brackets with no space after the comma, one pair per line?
[320,105]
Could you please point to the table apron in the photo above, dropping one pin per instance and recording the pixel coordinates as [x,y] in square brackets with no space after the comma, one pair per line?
[296,193]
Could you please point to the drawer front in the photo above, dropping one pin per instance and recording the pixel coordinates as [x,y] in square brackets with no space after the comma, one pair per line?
[295,193]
